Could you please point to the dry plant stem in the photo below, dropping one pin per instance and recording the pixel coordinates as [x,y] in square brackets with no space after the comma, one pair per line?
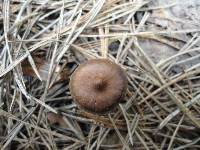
[67,33]
[104,41]
[128,124]
[170,93]
[118,133]
[174,134]
[16,129]
[173,81]
[48,79]
[174,113]
[39,128]
[133,128]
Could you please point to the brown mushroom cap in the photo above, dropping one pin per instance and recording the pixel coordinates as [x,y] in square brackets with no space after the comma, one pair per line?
[98,85]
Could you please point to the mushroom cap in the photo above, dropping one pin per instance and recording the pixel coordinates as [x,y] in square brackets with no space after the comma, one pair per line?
[98,85]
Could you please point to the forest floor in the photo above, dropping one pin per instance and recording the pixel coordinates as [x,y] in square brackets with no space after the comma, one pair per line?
[157,42]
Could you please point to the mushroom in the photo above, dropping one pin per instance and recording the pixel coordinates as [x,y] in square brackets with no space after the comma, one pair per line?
[98,85]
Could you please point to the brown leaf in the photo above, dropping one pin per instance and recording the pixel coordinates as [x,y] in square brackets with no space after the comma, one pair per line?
[43,67]
[56,118]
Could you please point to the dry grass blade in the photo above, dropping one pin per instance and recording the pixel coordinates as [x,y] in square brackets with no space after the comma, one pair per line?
[175,132]
[118,133]
[128,124]
[157,43]
[174,113]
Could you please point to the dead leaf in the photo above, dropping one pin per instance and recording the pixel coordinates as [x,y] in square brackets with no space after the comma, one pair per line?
[43,67]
